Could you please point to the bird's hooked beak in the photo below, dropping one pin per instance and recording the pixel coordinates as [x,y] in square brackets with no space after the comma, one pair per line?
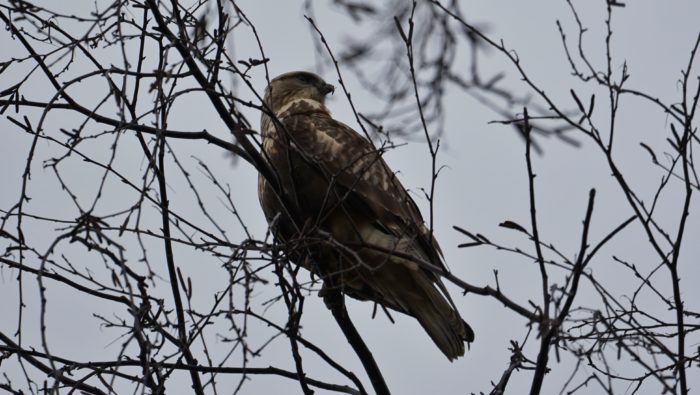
[326,89]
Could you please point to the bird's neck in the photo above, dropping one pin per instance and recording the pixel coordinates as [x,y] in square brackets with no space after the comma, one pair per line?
[301,106]
[297,106]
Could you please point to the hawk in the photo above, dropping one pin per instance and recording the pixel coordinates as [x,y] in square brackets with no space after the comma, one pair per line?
[344,214]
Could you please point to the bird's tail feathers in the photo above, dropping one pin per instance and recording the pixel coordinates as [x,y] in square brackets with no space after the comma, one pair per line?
[441,321]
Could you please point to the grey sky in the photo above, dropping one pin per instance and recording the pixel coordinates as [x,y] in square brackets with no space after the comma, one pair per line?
[484,184]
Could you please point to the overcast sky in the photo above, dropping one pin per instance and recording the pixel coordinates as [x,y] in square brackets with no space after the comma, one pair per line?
[483,184]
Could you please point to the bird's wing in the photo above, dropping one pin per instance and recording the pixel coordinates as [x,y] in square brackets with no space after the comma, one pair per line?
[354,164]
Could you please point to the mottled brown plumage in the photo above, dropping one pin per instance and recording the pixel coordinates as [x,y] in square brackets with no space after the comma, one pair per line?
[345,215]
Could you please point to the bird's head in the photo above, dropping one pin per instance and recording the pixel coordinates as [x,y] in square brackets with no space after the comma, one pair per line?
[296,85]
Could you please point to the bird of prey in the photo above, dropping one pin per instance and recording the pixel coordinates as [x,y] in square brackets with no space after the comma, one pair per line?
[345,214]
